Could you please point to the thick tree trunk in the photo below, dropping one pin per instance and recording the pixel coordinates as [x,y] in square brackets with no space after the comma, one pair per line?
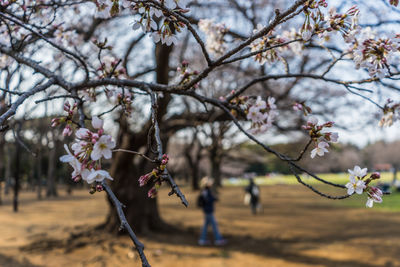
[141,211]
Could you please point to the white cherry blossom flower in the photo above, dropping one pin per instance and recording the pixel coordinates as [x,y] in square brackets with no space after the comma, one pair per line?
[320,150]
[370,202]
[271,102]
[312,120]
[358,172]
[97,123]
[82,133]
[355,185]
[97,176]
[79,147]
[73,161]
[260,103]
[103,147]
[334,137]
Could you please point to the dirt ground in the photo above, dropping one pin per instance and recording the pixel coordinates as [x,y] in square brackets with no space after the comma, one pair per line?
[296,228]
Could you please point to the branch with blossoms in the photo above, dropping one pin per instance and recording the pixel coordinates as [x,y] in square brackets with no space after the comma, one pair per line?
[28,28]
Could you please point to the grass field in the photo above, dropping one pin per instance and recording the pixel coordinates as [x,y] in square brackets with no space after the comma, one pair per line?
[390,202]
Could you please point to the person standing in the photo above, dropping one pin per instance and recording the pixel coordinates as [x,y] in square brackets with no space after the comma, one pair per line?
[206,201]
[254,192]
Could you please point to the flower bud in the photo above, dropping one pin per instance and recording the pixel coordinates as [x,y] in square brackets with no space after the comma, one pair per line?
[375,175]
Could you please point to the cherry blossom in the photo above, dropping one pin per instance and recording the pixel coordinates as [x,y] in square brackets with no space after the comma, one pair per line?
[321,139]
[262,114]
[214,35]
[320,150]
[103,147]
[358,172]
[97,123]
[355,185]
[97,176]
[374,195]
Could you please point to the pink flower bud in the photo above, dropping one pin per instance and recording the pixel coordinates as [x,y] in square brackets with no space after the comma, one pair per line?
[375,175]
[152,192]
[67,106]
[67,130]
[144,179]
[55,122]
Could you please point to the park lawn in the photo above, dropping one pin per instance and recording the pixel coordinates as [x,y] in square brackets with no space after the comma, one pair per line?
[339,178]
[390,202]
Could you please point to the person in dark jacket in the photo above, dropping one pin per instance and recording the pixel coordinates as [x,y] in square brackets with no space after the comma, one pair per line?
[206,201]
[254,192]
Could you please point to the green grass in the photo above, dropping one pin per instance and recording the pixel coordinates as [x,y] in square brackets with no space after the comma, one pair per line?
[340,178]
[390,202]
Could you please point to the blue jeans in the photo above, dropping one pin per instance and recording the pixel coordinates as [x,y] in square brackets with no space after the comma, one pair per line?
[209,219]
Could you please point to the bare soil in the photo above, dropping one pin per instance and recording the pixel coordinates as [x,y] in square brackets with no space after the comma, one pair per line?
[296,228]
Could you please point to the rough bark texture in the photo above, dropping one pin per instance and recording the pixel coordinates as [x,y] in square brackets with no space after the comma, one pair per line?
[141,211]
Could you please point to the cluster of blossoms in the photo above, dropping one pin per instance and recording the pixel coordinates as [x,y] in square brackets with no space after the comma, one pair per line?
[66,119]
[65,37]
[109,67]
[358,185]
[391,113]
[185,74]
[262,114]
[313,13]
[214,35]
[122,98]
[376,55]
[108,8]
[156,176]
[169,25]
[264,44]
[89,148]
[320,139]
[241,102]
[316,22]
[149,15]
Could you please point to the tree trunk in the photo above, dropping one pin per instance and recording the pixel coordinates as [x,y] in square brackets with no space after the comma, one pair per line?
[8,173]
[39,172]
[141,211]
[16,175]
[216,170]
[51,190]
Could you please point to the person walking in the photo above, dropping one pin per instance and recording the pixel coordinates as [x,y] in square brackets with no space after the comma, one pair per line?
[206,201]
[254,191]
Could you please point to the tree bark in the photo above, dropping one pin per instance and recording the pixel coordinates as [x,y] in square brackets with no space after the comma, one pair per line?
[141,211]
